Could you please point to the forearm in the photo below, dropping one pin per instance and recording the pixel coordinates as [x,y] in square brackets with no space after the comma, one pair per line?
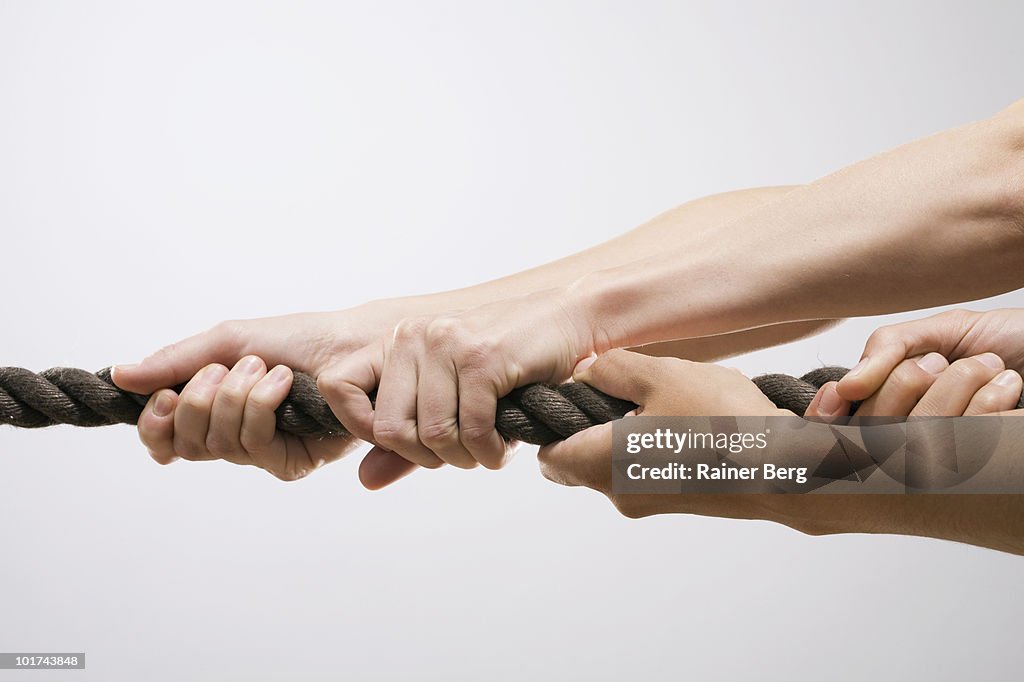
[671,229]
[937,221]
[720,346]
[674,227]
[993,521]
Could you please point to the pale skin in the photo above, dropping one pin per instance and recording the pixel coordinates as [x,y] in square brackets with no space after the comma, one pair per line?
[225,414]
[778,259]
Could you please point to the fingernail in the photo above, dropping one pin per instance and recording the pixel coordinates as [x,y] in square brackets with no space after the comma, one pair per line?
[163,405]
[278,375]
[991,360]
[1009,378]
[858,368]
[933,363]
[212,374]
[830,400]
[122,368]
[249,364]
[583,364]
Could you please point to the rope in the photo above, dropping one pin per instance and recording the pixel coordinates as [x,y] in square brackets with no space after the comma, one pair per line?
[538,413]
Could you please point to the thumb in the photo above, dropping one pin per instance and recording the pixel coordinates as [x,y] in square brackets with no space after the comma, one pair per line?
[583,459]
[177,363]
[827,403]
[889,346]
[619,373]
[381,468]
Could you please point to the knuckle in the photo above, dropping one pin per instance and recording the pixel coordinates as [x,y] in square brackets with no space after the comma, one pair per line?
[441,332]
[908,379]
[194,400]
[390,434]
[931,408]
[884,336]
[437,433]
[989,401]
[473,433]
[969,370]
[188,452]
[409,328]
[231,396]
[329,383]
[258,403]
[220,446]
[187,448]
[993,398]
[250,443]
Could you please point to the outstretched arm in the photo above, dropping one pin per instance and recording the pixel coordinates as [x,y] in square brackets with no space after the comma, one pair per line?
[935,221]
[224,415]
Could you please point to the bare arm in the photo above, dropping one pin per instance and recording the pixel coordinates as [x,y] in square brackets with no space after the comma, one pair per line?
[937,221]
[313,341]
[678,226]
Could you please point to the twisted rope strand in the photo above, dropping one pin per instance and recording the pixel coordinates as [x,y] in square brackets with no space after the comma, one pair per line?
[538,413]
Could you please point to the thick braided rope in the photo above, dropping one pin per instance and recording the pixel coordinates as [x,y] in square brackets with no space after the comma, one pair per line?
[538,413]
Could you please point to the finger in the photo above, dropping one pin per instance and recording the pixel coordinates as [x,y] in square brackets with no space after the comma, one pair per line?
[287,457]
[952,392]
[904,387]
[888,346]
[156,426]
[620,373]
[179,362]
[583,459]
[1002,393]
[478,406]
[192,416]
[827,403]
[437,414]
[347,385]
[259,436]
[223,439]
[394,415]
[381,468]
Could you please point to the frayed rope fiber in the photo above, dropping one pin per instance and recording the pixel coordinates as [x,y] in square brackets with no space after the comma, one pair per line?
[538,413]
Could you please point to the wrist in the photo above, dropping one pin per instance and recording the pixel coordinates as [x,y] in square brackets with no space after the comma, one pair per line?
[1003,194]
[690,292]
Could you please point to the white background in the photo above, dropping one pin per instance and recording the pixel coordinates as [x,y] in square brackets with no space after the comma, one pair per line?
[164,166]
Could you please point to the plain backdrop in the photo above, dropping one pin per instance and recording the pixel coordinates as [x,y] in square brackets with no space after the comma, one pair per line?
[164,166]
